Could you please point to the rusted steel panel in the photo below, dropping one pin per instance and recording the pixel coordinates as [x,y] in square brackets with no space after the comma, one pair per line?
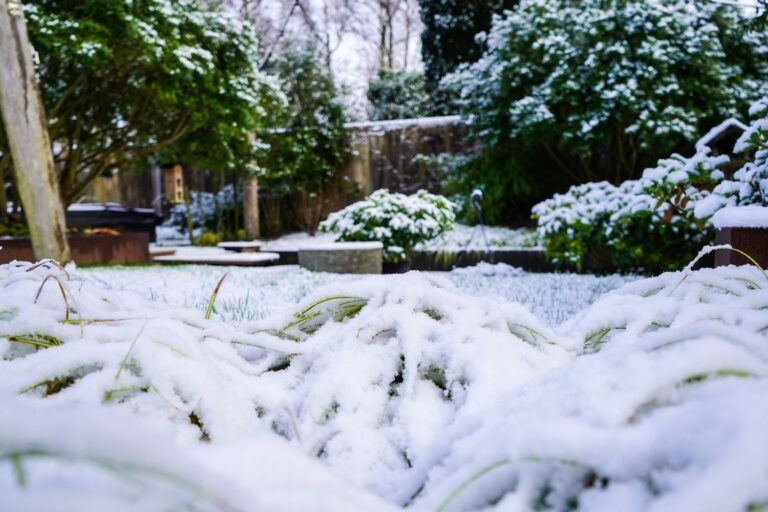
[753,241]
[128,248]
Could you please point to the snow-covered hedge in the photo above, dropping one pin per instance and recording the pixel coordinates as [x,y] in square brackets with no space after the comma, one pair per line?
[656,396]
[660,220]
[396,220]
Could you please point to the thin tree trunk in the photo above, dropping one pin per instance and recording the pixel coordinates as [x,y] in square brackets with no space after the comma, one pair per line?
[188,208]
[26,131]
[391,40]
[4,219]
[408,30]
[200,207]
[251,208]
[236,189]
[382,35]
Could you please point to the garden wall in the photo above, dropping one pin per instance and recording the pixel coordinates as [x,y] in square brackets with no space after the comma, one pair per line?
[383,156]
[384,152]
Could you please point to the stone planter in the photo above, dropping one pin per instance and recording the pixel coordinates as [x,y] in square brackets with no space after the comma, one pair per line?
[127,248]
[744,228]
[343,258]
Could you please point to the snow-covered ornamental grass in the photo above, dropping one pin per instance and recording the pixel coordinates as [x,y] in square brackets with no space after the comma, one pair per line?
[392,389]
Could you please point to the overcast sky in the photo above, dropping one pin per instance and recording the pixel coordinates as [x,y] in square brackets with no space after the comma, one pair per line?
[352,31]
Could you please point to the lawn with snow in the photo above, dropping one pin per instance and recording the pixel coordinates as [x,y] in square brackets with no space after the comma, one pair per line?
[254,293]
[381,392]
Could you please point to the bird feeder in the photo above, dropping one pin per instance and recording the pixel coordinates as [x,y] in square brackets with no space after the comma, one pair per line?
[174,183]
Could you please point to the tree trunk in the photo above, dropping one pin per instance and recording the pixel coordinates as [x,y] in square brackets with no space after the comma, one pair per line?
[251,208]
[188,211]
[27,134]
[382,34]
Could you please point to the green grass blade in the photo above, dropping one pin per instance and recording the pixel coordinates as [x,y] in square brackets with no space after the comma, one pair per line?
[130,349]
[211,302]
[471,480]
[18,471]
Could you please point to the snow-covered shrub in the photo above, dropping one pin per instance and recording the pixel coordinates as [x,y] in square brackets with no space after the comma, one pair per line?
[750,183]
[595,90]
[641,224]
[397,220]
[573,224]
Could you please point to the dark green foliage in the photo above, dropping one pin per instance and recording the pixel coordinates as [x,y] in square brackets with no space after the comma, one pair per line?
[126,81]
[449,37]
[306,154]
[397,95]
[509,192]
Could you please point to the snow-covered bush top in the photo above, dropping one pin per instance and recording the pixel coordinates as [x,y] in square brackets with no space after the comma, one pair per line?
[580,75]
[397,220]
[401,386]
[596,90]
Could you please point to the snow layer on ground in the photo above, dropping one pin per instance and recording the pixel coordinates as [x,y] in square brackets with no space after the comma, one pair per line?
[342,246]
[294,241]
[461,237]
[741,217]
[471,238]
[254,293]
[403,387]
[552,297]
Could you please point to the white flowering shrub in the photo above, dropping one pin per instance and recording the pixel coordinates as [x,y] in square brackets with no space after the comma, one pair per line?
[648,223]
[396,220]
[750,183]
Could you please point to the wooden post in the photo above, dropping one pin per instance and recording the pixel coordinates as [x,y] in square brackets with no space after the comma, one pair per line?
[251,208]
[157,190]
[173,178]
[188,210]
[27,135]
